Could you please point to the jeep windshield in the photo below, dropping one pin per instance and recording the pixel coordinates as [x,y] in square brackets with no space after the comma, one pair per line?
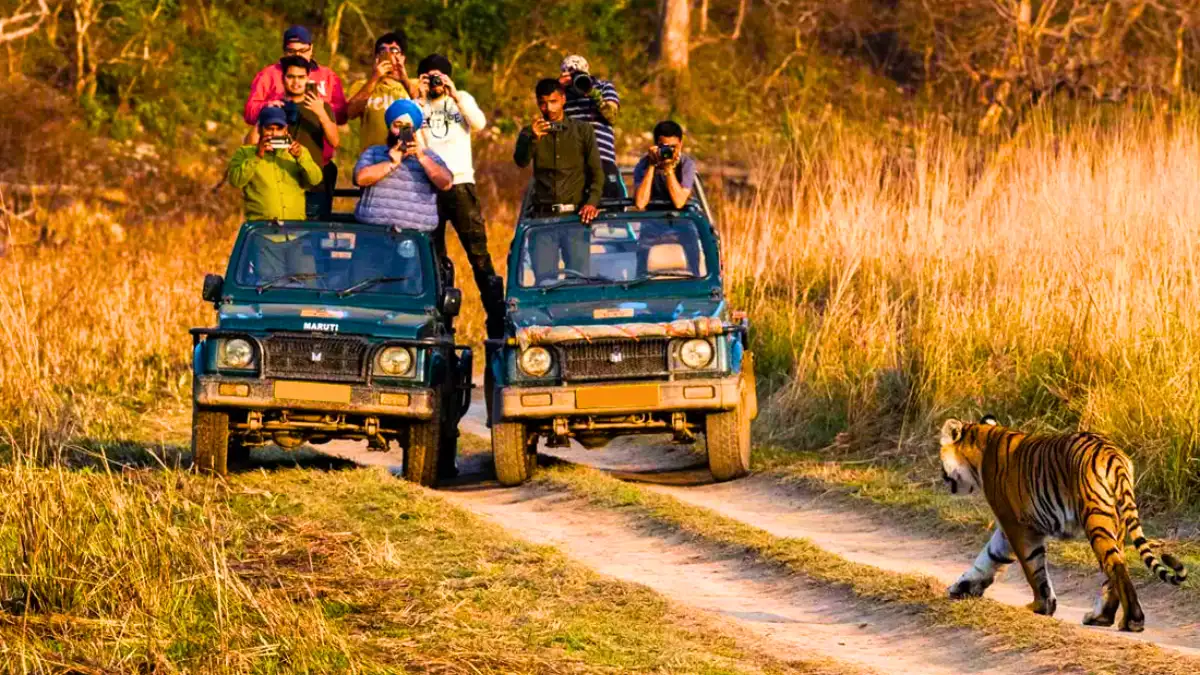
[338,260]
[610,252]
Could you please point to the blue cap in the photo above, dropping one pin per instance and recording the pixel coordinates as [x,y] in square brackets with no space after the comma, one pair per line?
[272,115]
[404,108]
[297,34]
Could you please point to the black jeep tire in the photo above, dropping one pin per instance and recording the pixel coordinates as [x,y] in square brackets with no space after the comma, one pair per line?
[511,454]
[238,454]
[727,435]
[448,447]
[210,441]
[424,446]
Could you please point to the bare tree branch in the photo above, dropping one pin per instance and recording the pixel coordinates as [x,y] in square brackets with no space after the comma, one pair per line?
[24,22]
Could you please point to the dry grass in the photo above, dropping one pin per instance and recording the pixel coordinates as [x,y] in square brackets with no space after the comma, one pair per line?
[1051,280]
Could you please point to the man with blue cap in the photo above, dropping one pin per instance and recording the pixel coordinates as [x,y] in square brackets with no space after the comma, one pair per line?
[401,179]
[268,90]
[274,175]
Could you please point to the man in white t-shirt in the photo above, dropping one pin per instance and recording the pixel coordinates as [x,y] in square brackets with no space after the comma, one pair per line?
[450,117]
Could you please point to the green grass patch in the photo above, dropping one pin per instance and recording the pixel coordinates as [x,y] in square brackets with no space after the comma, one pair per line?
[1009,628]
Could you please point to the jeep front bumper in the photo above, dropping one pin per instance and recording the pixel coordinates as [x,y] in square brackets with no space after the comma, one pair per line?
[625,398]
[322,397]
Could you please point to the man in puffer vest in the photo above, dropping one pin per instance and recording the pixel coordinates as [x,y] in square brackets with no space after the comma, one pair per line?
[401,180]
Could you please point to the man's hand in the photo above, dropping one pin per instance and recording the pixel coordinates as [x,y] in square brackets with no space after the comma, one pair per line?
[264,144]
[295,149]
[397,153]
[540,128]
[383,68]
[274,104]
[588,213]
[451,89]
[313,102]
[652,155]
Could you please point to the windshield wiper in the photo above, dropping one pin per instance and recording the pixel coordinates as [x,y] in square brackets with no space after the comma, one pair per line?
[367,283]
[661,275]
[576,278]
[287,279]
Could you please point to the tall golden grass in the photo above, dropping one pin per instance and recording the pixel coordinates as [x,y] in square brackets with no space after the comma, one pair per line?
[1052,279]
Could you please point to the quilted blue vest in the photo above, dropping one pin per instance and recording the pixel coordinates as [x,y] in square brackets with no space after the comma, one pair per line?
[405,198]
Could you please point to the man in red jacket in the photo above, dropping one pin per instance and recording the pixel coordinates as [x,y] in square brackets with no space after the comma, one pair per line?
[268,90]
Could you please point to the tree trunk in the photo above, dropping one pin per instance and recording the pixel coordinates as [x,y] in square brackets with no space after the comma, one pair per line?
[674,30]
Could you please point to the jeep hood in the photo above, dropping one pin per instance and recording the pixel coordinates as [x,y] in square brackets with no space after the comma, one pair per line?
[383,323]
[642,310]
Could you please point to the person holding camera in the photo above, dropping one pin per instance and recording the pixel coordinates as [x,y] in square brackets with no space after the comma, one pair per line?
[310,123]
[450,116]
[401,178]
[567,171]
[567,177]
[268,88]
[389,82]
[596,102]
[665,174]
[274,173]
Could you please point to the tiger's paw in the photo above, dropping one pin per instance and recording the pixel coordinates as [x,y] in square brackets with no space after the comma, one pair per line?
[1133,626]
[1045,607]
[968,588]
[1093,619]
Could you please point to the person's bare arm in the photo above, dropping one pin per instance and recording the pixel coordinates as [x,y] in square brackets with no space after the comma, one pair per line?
[358,103]
[324,113]
[372,174]
[641,195]
[679,194]
[438,173]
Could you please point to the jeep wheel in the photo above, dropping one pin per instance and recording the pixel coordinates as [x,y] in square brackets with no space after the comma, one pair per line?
[210,441]
[512,454]
[238,454]
[728,437]
[421,454]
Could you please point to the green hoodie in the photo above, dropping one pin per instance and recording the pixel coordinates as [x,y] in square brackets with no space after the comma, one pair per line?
[273,185]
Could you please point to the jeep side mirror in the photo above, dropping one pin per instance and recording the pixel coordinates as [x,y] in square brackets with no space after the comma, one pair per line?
[213,285]
[451,301]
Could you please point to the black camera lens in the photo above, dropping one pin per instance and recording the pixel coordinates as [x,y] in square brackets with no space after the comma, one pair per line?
[583,83]
[666,152]
[435,81]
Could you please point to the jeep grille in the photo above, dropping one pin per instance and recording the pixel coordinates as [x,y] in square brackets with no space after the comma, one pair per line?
[615,359]
[328,358]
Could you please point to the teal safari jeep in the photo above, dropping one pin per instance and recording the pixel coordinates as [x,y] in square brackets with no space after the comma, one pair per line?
[330,330]
[620,327]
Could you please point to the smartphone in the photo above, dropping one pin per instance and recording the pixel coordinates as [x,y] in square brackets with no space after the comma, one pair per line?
[311,88]
[406,136]
[280,143]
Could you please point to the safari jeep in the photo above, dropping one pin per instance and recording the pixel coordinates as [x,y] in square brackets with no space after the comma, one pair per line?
[621,327]
[330,330]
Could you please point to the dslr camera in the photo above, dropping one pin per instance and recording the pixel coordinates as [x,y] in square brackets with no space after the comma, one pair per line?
[666,153]
[582,82]
[435,81]
[556,127]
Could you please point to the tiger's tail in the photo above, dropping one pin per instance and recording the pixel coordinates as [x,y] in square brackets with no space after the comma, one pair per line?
[1164,566]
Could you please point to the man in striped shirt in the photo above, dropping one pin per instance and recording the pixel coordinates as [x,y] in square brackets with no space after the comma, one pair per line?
[595,101]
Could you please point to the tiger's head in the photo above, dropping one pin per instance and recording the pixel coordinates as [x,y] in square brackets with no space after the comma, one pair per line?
[962,451]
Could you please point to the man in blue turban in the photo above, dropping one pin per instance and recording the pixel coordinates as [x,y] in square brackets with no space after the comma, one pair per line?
[401,180]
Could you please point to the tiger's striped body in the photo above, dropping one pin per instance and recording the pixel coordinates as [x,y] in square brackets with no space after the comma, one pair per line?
[1043,486]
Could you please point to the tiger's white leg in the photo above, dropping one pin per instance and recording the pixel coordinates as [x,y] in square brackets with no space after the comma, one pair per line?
[996,555]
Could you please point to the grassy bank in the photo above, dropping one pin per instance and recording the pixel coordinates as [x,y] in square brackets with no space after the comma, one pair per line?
[1050,279]
[1007,628]
[321,568]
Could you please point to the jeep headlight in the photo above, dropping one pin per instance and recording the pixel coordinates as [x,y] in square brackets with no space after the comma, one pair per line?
[536,361]
[394,361]
[696,354]
[235,353]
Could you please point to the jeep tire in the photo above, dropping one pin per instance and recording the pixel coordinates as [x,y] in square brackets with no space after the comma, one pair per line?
[210,441]
[727,435]
[515,463]
[424,445]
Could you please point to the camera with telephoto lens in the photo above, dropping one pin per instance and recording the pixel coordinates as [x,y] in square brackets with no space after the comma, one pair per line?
[666,153]
[280,143]
[435,81]
[582,82]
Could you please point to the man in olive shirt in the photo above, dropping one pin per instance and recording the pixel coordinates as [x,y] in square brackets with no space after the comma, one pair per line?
[389,83]
[273,181]
[567,174]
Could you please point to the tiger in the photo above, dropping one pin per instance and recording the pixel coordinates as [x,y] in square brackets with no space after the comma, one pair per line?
[1045,485]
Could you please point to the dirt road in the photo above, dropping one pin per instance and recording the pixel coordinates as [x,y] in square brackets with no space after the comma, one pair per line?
[794,617]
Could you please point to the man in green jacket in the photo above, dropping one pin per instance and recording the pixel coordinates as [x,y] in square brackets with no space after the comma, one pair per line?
[273,180]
